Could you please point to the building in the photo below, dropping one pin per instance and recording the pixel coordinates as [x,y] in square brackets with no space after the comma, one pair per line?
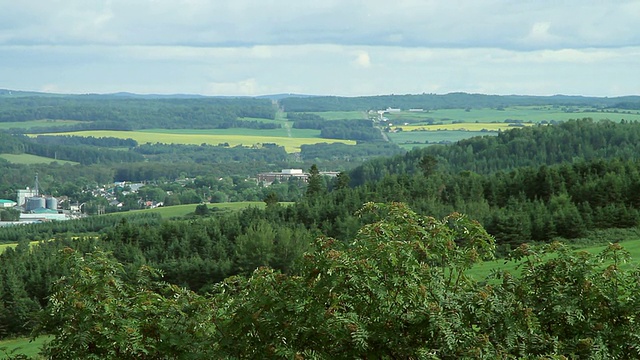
[284,175]
[24,194]
[7,203]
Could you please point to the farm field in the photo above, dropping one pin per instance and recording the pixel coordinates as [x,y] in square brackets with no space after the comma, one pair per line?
[283,132]
[525,113]
[478,127]
[410,139]
[28,159]
[291,144]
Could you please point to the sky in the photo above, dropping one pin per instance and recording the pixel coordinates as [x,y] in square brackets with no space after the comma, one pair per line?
[321,47]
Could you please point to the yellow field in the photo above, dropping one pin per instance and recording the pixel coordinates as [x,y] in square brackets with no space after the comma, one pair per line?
[291,144]
[460,126]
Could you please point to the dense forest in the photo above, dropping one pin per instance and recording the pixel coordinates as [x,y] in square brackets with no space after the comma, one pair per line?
[320,278]
[113,113]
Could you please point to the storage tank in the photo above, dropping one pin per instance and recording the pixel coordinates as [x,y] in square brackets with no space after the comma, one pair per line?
[52,203]
[35,203]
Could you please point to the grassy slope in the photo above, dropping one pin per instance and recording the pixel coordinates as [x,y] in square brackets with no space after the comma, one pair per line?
[481,271]
[22,346]
[182,210]
[525,113]
[28,159]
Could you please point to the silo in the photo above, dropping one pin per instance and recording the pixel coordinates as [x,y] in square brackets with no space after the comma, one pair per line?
[52,203]
[35,203]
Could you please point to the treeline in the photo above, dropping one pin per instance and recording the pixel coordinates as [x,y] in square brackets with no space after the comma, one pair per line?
[447,101]
[354,153]
[573,140]
[121,113]
[71,140]
[86,154]
[222,153]
[360,130]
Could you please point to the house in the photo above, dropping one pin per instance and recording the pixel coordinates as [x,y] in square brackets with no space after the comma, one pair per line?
[284,175]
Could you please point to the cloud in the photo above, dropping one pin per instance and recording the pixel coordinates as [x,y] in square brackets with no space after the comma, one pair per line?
[408,23]
[362,60]
[250,47]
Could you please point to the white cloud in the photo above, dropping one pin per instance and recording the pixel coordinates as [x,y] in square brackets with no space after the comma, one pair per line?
[249,47]
[362,60]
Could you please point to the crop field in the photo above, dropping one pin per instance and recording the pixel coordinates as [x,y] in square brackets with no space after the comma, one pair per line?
[28,159]
[283,132]
[36,123]
[473,126]
[411,139]
[211,137]
[525,113]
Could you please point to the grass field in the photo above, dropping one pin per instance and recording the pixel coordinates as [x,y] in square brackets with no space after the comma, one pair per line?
[473,126]
[482,270]
[36,123]
[525,113]
[211,137]
[182,210]
[22,346]
[28,159]
[410,139]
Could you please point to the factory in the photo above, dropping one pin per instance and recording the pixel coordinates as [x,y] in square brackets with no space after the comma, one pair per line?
[33,206]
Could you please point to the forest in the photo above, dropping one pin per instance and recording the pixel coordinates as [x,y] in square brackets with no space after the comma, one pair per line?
[113,113]
[370,264]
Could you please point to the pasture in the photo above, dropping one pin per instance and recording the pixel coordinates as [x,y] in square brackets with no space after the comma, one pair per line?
[28,159]
[477,127]
[183,210]
[533,114]
[210,137]
[410,139]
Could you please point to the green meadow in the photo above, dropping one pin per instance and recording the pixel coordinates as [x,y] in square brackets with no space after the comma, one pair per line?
[482,270]
[410,139]
[28,159]
[533,114]
[21,346]
[183,210]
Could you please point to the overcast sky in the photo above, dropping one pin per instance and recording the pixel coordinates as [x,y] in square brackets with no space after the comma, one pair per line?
[328,47]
